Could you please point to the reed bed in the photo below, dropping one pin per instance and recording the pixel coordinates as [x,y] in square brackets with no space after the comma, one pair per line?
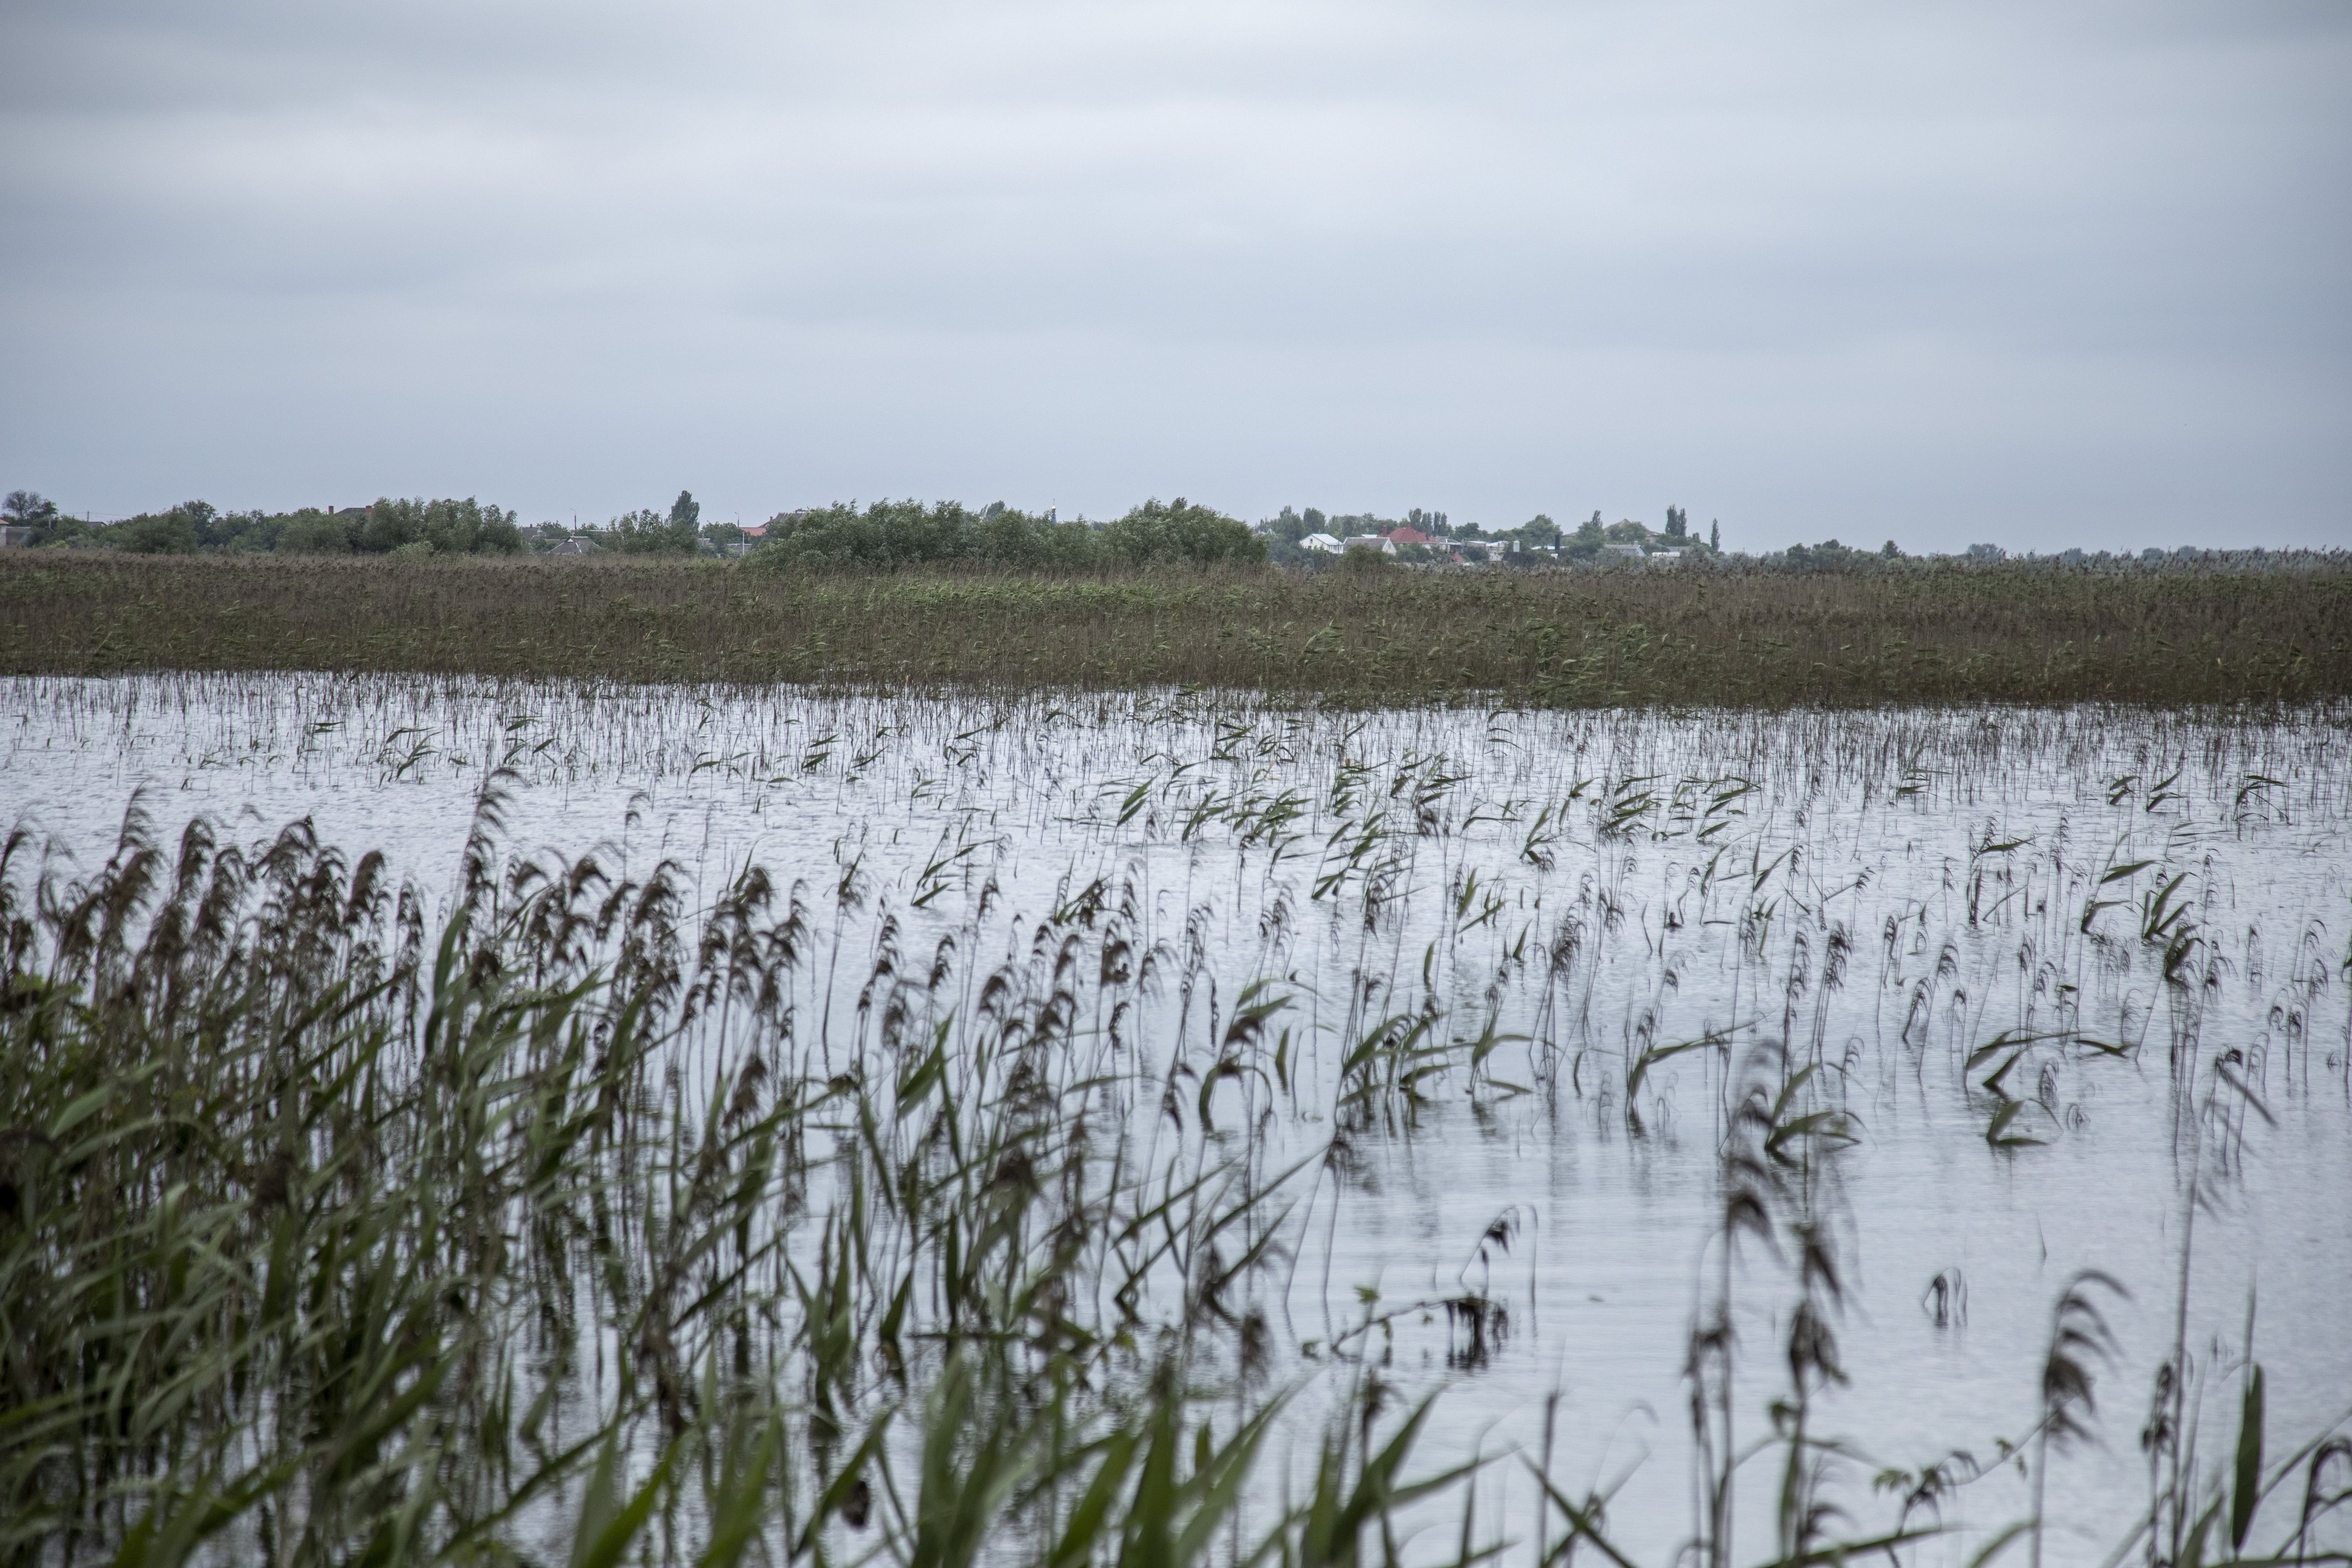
[1949,634]
[986,1180]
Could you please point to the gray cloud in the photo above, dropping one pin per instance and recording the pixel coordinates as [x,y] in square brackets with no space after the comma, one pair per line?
[1942,271]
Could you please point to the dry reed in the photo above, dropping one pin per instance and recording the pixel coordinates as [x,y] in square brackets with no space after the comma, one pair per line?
[2009,634]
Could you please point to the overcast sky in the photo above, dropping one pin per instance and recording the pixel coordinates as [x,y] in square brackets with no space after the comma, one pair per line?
[2036,273]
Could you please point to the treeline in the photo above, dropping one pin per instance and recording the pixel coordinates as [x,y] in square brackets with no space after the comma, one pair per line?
[197,528]
[388,527]
[883,535]
[889,534]
[946,533]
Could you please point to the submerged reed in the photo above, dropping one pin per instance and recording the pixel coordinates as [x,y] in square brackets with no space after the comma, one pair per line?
[572,1215]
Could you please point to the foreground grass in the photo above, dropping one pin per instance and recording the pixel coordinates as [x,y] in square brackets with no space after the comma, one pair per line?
[1932,635]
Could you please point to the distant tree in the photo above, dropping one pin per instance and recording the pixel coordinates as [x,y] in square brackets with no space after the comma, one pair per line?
[888,533]
[1286,529]
[1316,522]
[1890,550]
[440,527]
[184,530]
[1677,523]
[1178,532]
[443,527]
[1829,555]
[312,532]
[1542,532]
[28,507]
[1020,540]
[242,533]
[1585,544]
[646,532]
[173,532]
[1715,535]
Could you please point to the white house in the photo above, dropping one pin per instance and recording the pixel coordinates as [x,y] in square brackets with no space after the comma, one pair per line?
[1379,542]
[1323,542]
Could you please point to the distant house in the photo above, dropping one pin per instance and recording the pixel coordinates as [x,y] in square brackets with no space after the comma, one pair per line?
[1631,553]
[14,538]
[1379,542]
[751,536]
[1665,557]
[578,547]
[1323,543]
[1410,536]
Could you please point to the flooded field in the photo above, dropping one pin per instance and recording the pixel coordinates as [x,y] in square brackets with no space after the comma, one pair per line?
[1167,1128]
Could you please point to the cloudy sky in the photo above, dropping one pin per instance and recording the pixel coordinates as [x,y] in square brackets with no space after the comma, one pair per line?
[1940,270]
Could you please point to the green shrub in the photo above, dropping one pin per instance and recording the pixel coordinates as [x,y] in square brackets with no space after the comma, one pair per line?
[314,533]
[451,527]
[1178,532]
[157,534]
[890,534]
[886,534]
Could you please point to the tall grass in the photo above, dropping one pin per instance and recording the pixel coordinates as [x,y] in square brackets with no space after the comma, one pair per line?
[330,1235]
[1957,633]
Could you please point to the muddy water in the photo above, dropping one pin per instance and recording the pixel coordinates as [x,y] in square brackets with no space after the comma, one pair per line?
[2152,910]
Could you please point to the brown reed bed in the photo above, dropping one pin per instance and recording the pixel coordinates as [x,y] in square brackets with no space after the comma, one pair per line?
[1925,634]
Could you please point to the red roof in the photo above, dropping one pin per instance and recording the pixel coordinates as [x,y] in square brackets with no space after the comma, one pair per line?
[1410,536]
